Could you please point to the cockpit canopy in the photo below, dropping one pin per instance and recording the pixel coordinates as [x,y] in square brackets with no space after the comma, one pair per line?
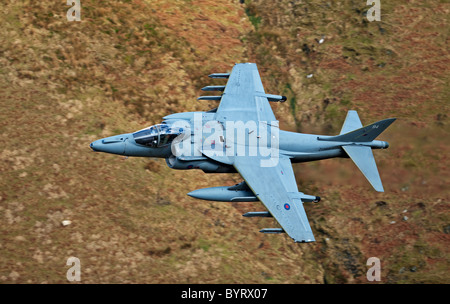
[156,136]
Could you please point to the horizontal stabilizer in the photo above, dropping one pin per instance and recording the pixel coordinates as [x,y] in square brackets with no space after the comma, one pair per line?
[209,98]
[351,123]
[363,158]
[220,75]
[365,134]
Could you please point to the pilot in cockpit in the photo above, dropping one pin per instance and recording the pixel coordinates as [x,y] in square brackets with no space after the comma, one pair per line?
[156,136]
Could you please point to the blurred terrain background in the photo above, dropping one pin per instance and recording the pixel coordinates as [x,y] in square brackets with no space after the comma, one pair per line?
[128,63]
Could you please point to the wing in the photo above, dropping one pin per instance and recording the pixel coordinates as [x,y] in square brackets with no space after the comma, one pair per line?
[276,188]
[273,183]
[244,98]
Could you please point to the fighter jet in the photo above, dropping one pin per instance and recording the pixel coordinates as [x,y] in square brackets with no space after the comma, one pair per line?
[243,136]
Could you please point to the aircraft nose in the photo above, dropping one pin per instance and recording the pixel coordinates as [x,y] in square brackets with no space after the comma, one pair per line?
[92,145]
[386,145]
[113,145]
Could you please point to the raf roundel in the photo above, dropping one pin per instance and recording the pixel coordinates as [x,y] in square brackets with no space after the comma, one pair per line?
[287,206]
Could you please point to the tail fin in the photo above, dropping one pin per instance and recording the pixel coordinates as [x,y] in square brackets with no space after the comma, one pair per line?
[353,132]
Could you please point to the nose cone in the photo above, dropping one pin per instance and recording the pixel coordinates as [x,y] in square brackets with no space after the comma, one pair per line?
[386,145]
[113,144]
[94,146]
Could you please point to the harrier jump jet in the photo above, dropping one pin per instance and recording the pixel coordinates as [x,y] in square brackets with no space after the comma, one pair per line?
[242,135]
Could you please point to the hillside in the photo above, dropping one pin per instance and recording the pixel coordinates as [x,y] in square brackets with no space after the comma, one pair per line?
[128,63]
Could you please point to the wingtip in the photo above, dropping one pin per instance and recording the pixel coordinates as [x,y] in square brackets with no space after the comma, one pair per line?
[304,238]
[378,187]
